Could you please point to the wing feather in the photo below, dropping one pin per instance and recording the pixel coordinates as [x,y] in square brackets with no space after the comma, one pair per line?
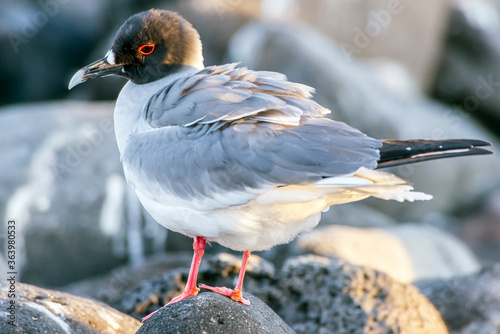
[227,93]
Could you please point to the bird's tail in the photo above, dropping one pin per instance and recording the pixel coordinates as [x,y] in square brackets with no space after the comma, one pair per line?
[401,152]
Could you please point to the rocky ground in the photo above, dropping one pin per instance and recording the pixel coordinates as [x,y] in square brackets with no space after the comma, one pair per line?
[309,294]
[371,267]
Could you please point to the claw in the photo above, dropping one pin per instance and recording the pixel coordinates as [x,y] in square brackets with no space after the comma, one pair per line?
[235,295]
[180,297]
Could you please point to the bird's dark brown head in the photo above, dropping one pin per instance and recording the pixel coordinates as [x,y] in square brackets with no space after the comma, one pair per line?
[148,46]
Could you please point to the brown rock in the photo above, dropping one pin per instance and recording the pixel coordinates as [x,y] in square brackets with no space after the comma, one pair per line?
[40,310]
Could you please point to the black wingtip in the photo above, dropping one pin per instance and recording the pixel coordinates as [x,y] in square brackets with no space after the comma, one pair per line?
[401,152]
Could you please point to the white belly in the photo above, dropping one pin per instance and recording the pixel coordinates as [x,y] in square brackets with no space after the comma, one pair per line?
[239,228]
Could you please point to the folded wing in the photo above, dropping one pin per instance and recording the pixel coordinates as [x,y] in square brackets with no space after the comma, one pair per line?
[231,130]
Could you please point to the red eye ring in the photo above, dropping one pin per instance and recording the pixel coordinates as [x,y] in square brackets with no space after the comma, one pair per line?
[147,49]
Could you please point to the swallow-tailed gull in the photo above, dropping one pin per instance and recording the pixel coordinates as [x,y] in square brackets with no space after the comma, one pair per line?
[239,157]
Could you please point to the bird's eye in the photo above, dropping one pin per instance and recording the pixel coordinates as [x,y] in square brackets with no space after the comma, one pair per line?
[147,49]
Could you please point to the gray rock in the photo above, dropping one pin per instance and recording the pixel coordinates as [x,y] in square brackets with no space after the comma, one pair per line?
[468,304]
[357,98]
[406,252]
[62,182]
[312,294]
[320,295]
[40,310]
[213,313]
[468,76]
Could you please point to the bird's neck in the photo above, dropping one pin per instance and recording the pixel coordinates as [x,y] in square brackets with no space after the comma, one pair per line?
[132,100]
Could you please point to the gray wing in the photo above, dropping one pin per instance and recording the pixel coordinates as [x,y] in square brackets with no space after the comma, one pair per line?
[226,93]
[228,129]
[207,160]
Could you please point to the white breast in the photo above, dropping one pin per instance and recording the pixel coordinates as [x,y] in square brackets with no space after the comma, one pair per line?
[130,105]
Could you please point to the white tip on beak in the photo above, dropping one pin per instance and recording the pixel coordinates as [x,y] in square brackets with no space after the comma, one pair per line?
[76,79]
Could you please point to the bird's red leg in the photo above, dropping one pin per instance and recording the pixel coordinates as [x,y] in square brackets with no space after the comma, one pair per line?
[235,294]
[190,290]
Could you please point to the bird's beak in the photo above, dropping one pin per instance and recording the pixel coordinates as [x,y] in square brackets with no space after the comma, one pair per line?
[100,68]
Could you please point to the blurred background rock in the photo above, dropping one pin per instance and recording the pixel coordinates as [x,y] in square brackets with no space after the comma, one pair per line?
[392,68]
